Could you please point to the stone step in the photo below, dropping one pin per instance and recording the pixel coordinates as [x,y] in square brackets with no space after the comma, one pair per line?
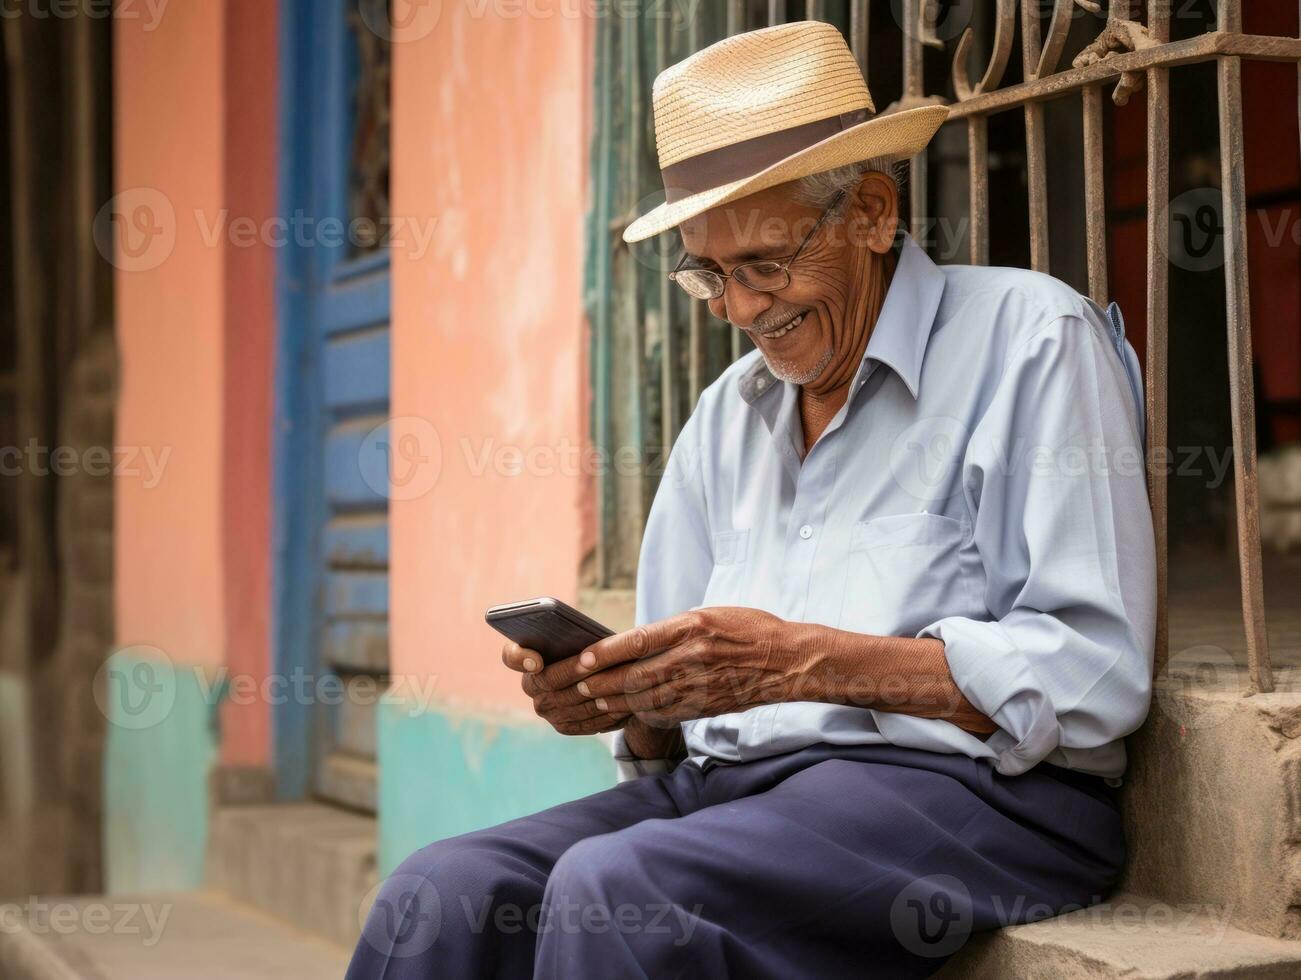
[1212,798]
[311,865]
[163,936]
[1131,937]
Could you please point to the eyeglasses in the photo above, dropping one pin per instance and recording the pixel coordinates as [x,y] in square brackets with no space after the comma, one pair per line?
[764,276]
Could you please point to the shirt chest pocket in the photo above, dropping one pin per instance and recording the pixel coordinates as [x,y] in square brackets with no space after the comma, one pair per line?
[729,581]
[905,571]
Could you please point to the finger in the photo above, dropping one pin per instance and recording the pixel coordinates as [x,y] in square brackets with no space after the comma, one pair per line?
[549,700]
[592,726]
[569,713]
[657,700]
[633,644]
[628,678]
[521,658]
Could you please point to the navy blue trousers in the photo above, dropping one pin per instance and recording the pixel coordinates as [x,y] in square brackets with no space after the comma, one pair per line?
[832,861]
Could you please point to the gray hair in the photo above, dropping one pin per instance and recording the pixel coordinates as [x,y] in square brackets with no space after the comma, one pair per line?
[819,190]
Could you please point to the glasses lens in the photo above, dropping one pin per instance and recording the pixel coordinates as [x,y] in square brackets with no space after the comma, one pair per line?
[700,283]
[765,276]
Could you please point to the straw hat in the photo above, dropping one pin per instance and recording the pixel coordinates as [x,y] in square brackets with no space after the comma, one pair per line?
[763,108]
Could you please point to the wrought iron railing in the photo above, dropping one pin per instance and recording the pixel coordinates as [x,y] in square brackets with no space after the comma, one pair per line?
[653,351]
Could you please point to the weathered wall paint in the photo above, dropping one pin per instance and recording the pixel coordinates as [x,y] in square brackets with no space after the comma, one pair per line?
[250,195]
[446,773]
[168,169]
[489,143]
[160,745]
[195,141]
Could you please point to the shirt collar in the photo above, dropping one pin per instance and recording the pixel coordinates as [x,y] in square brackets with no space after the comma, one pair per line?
[902,329]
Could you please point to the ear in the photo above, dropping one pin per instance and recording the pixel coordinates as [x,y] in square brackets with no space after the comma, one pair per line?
[874,209]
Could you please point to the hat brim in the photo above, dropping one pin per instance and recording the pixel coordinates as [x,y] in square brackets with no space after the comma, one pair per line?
[897,135]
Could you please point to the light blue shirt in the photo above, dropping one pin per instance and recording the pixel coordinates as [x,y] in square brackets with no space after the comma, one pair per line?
[983,484]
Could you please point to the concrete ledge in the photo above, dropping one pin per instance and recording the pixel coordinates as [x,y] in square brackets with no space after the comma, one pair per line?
[310,865]
[1131,937]
[1213,795]
[186,936]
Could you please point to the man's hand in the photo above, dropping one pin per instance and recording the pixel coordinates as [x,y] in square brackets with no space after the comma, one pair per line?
[568,711]
[700,664]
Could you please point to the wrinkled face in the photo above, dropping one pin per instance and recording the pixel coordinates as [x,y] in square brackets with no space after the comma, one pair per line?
[801,329]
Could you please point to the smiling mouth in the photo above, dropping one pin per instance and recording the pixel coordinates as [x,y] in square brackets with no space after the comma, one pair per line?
[785,328]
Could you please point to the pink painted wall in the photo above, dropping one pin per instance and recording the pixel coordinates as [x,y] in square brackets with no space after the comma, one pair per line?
[489,337]
[170,313]
[251,160]
[196,152]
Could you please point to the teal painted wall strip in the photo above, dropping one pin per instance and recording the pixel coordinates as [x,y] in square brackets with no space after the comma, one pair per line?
[160,746]
[443,774]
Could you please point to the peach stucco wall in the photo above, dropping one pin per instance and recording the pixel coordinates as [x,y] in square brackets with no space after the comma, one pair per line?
[489,141]
[196,142]
[168,164]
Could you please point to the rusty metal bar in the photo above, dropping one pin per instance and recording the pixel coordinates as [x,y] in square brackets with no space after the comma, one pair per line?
[669,423]
[1241,393]
[735,17]
[860,27]
[633,495]
[696,323]
[1158,311]
[735,25]
[978,165]
[913,91]
[1035,152]
[1169,55]
[1095,196]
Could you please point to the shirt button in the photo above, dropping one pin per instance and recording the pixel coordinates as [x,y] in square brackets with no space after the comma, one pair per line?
[806,532]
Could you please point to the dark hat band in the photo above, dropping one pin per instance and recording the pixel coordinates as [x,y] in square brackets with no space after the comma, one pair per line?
[749,157]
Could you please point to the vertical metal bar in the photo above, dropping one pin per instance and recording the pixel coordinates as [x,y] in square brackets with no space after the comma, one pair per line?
[735,17]
[913,91]
[1158,310]
[978,165]
[776,12]
[602,356]
[668,327]
[736,24]
[633,489]
[813,10]
[1035,154]
[860,29]
[1095,198]
[82,141]
[1241,394]
[696,325]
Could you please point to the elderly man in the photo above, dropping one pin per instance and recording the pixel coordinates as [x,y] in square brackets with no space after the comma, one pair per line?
[896,592]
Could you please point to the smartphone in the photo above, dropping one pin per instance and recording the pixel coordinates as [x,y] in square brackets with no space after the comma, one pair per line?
[554,629]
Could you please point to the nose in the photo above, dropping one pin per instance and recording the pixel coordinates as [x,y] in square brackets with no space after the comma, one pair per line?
[741,305]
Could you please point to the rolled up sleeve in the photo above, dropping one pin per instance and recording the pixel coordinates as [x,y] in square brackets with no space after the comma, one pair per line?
[1054,481]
